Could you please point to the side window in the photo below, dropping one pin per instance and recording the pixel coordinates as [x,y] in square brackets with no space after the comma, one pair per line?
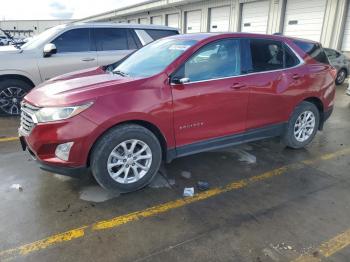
[266,55]
[290,58]
[314,50]
[108,39]
[215,60]
[75,40]
[157,34]
[133,41]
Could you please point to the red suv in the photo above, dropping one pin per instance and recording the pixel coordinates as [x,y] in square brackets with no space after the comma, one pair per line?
[174,97]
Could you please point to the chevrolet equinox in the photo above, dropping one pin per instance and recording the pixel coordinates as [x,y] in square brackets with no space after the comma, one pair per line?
[177,96]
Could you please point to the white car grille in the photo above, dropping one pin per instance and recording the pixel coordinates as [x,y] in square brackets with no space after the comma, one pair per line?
[27,118]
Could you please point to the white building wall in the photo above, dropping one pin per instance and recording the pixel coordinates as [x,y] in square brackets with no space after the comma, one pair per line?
[332,22]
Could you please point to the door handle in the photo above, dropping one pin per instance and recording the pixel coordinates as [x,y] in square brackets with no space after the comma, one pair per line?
[295,76]
[238,86]
[87,59]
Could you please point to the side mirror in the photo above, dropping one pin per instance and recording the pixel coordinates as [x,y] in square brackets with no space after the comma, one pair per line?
[180,81]
[49,49]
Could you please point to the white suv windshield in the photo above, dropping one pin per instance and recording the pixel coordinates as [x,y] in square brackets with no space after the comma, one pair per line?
[42,38]
[154,57]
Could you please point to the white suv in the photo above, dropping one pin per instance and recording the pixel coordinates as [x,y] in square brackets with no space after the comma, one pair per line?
[67,48]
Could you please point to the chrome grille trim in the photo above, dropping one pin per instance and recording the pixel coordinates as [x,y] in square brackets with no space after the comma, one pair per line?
[28,119]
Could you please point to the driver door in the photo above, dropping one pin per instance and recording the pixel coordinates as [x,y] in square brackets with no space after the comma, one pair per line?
[210,101]
[75,51]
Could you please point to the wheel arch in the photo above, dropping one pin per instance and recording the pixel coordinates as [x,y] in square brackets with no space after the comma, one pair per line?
[319,104]
[19,77]
[146,124]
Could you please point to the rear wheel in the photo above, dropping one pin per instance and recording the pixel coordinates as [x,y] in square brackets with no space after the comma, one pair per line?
[302,126]
[126,158]
[12,92]
[341,76]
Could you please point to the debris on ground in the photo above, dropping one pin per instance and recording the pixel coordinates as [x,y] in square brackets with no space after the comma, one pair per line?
[64,210]
[186,174]
[202,185]
[17,186]
[188,192]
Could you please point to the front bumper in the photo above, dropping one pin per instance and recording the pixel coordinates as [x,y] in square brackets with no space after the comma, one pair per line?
[43,139]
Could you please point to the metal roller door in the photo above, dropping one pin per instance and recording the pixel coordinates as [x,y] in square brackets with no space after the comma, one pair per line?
[304,19]
[255,17]
[346,35]
[143,21]
[156,20]
[173,20]
[193,21]
[219,19]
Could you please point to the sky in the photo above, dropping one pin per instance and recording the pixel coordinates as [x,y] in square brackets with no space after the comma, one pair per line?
[57,9]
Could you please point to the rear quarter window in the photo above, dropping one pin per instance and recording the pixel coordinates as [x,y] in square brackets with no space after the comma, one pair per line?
[157,34]
[314,50]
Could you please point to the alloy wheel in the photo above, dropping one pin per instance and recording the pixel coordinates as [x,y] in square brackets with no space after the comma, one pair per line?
[304,126]
[129,161]
[341,76]
[10,100]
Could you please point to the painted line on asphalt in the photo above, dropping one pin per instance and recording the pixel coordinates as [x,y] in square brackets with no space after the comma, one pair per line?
[327,248]
[158,209]
[8,139]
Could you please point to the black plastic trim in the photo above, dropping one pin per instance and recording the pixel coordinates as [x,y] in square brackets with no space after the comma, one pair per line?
[226,141]
[76,172]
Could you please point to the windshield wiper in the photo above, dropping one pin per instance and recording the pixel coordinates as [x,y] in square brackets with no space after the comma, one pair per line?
[121,73]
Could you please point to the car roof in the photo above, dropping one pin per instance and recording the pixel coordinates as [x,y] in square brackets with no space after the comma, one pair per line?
[117,25]
[204,36]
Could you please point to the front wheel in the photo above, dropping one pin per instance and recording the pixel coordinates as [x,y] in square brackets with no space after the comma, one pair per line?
[302,126]
[12,92]
[126,158]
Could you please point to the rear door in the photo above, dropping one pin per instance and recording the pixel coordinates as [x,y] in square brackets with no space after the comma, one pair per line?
[75,51]
[213,101]
[113,44]
[272,87]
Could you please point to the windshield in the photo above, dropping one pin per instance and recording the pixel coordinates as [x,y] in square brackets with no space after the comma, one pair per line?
[154,57]
[42,38]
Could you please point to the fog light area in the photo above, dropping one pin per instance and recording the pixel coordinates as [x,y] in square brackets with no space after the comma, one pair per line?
[62,151]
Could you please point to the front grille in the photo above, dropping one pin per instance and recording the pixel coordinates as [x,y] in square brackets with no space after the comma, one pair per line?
[27,117]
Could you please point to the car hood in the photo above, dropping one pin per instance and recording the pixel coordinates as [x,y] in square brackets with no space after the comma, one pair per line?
[9,49]
[74,88]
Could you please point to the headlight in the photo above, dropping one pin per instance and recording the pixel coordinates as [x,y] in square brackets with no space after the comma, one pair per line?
[48,114]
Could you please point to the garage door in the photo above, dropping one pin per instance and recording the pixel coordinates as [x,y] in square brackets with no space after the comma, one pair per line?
[156,20]
[304,19]
[143,21]
[219,19]
[255,16]
[193,21]
[346,36]
[173,20]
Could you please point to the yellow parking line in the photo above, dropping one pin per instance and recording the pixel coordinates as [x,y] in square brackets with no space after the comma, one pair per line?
[8,139]
[328,248]
[152,211]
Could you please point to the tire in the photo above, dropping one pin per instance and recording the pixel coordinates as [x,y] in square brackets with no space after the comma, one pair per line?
[294,136]
[109,150]
[12,92]
[341,76]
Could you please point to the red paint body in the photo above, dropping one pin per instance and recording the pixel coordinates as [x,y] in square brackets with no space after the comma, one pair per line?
[211,109]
